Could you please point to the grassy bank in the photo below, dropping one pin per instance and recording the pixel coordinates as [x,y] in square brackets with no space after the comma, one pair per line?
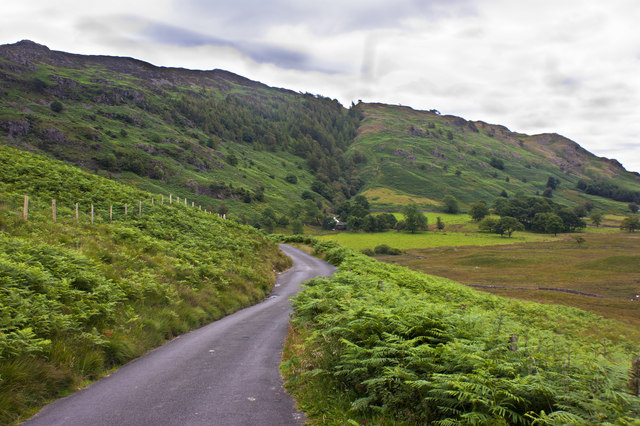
[380,344]
[78,299]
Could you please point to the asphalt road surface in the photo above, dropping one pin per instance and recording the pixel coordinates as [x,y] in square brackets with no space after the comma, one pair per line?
[225,373]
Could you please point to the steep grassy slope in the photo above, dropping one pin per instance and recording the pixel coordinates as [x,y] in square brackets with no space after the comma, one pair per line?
[426,156]
[204,135]
[77,299]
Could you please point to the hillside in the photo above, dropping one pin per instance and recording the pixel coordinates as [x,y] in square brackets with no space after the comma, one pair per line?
[79,298]
[228,142]
[211,136]
[425,156]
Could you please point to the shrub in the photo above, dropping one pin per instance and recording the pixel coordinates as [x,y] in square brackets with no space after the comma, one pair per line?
[56,106]
[385,249]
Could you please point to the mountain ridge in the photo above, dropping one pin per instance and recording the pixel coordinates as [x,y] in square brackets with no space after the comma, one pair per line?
[178,128]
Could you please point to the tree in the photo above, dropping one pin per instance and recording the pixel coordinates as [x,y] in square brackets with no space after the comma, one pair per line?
[232,159]
[508,225]
[596,219]
[223,209]
[496,163]
[549,223]
[630,224]
[369,223]
[487,224]
[268,219]
[387,221]
[297,227]
[554,224]
[439,224]
[633,207]
[552,182]
[328,223]
[478,211]
[414,219]
[56,106]
[451,204]
[291,178]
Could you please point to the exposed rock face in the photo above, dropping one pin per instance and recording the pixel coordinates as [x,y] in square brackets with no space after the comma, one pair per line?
[15,129]
[52,134]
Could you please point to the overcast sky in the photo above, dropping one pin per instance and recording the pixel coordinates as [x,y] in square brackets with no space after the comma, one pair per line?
[565,66]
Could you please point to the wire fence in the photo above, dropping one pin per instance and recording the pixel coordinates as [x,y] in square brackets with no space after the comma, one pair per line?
[97,212]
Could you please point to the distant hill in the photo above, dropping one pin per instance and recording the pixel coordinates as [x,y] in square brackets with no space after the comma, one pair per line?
[216,137]
[425,156]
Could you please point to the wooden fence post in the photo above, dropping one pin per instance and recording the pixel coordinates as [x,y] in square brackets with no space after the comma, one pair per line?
[77,216]
[185,201]
[25,209]
[139,208]
[162,199]
[152,201]
[92,213]
[513,342]
[170,199]
[192,204]
[634,376]
[53,210]
[177,199]
[110,212]
[125,210]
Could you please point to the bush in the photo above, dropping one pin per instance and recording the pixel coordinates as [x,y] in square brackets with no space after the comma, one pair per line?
[293,179]
[385,249]
[56,106]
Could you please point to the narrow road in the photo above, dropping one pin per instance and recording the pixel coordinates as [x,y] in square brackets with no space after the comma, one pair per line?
[225,373]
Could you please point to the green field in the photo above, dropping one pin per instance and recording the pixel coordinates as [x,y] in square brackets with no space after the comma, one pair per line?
[404,241]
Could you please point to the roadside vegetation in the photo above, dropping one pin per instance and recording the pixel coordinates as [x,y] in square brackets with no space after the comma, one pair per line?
[380,344]
[78,299]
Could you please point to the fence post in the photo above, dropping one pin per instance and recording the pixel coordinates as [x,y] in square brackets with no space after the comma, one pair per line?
[77,216]
[139,208]
[199,207]
[92,213]
[170,199]
[53,210]
[192,204]
[110,212]
[152,201]
[177,199]
[125,210]
[185,201]
[634,376]
[513,342]
[25,209]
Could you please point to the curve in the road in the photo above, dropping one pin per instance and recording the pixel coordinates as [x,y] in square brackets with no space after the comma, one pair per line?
[225,373]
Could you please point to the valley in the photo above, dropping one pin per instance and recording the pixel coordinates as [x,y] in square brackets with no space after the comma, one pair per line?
[390,339]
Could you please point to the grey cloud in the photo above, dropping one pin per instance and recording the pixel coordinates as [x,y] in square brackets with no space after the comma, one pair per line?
[262,53]
[328,17]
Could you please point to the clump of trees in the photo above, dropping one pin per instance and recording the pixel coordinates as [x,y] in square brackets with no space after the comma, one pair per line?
[450,204]
[357,215]
[630,224]
[414,219]
[539,214]
[505,225]
[610,190]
